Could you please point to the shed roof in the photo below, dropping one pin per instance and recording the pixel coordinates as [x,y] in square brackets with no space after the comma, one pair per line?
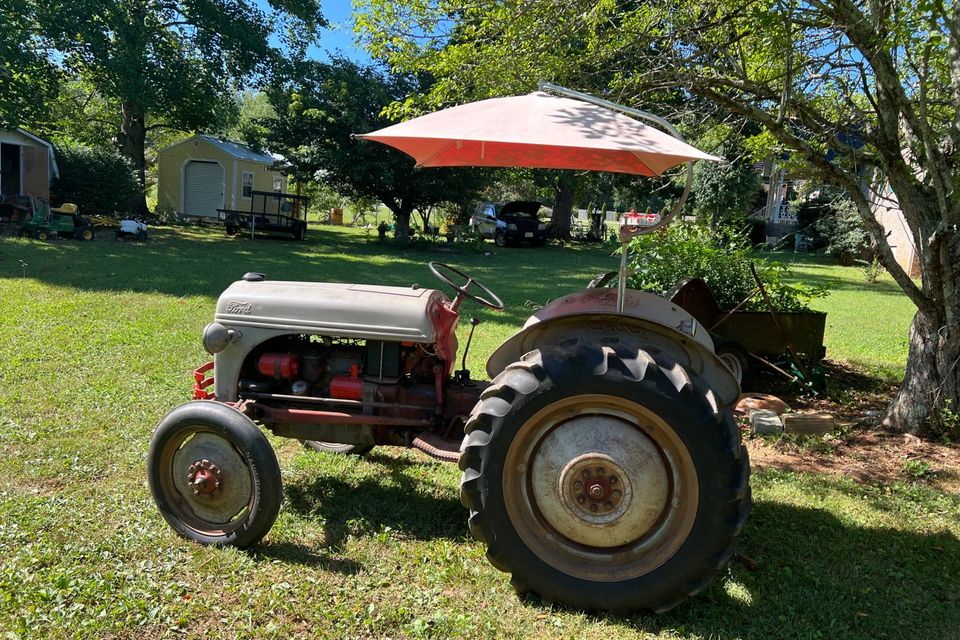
[236,149]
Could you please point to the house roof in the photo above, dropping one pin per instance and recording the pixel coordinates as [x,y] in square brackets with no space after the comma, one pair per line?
[54,169]
[236,149]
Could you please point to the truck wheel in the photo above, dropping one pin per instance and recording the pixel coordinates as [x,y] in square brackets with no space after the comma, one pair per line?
[213,475]
[604,477]
[336,447]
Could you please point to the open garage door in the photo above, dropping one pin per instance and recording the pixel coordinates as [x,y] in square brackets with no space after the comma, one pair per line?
[202,188]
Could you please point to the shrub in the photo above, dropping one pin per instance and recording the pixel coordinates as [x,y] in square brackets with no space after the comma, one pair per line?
[99,181]
[843,232]
[722,259]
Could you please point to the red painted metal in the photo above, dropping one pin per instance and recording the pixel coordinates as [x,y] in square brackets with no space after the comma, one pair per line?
[276,414]
[343,386]
[445,318]
[201,382]
[279,365]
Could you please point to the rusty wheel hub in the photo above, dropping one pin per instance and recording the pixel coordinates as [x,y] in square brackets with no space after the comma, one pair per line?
[204,477]
[595,488]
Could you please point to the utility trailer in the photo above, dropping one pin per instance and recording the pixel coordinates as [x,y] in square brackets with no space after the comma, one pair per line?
[270,212]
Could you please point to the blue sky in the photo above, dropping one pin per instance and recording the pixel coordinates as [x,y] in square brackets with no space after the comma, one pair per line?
[338,37]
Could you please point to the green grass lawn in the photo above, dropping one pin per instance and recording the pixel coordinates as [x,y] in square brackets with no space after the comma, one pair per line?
[96,344]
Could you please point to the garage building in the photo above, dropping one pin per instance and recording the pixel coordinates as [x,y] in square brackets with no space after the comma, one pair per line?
[202,173]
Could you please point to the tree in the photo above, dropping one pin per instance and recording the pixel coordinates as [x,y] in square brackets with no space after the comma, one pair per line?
[169,63]
[319,109]
[856,92]
[724,189]
[27,78]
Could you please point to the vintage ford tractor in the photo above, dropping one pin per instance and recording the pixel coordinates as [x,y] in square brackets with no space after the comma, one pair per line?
[601,465]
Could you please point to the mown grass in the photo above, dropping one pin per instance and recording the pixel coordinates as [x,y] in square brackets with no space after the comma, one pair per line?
[96,342]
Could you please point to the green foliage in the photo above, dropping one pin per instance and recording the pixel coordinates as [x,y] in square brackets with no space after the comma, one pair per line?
[722,259]
[843,232]
[28,80]
[99,181]
[175,64]
[871,269]
[724,189]
[323,105]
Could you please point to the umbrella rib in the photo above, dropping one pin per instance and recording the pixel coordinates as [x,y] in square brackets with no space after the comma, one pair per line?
[436,153]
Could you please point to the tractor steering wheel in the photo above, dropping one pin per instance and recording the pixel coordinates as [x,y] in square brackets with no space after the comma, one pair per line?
[443,271]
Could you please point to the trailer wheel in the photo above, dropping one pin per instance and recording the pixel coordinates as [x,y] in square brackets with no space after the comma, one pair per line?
[336,447]
[213,475]
[604,477]
[734,357]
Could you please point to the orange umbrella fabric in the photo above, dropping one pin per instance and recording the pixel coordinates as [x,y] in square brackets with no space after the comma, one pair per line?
[537,130]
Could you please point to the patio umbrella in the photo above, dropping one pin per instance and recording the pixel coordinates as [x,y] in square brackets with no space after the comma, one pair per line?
[537,130]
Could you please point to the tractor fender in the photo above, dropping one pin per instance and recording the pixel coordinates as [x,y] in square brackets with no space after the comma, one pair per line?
[647,320]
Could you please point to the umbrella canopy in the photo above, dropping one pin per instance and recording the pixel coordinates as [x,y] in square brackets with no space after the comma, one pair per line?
[537,130]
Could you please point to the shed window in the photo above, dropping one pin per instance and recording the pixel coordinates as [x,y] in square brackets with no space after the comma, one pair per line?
[247,183]
[278,183]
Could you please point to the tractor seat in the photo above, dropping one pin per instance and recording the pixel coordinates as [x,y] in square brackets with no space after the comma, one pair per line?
[67,207]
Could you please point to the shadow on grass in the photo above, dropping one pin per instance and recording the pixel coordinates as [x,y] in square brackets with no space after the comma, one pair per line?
[372,505]
[290,553]
[820,577]
[817,575]
[203,262]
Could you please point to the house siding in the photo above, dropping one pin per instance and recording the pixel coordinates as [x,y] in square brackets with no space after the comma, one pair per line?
[899,237]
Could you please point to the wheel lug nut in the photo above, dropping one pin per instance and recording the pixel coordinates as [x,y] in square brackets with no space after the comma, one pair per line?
[581,499]
[601,471]
[616,493]
[585,473]
[594,508]
[608,504]
[613,480]
[578,485]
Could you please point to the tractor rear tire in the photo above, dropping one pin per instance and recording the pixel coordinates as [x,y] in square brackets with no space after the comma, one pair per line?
[338,448]
[603,476]
[238,496]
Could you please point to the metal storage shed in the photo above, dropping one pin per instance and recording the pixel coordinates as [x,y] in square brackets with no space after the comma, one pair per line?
[202,173]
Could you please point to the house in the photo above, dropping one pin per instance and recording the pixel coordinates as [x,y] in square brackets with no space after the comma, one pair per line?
[886,208]
[27,164]
[202,173]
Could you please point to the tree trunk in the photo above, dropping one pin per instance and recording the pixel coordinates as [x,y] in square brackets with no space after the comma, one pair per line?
[131,141]
[928,399]
[401,219]
[562,206]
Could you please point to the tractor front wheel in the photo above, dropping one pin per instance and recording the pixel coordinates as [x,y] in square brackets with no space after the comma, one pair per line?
[85,234]
[213,475]
[604,477]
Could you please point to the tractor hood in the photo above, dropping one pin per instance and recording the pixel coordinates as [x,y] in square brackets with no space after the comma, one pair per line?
[647,319]
[348,310]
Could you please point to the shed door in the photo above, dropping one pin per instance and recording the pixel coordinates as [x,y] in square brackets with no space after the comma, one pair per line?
[202,188]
